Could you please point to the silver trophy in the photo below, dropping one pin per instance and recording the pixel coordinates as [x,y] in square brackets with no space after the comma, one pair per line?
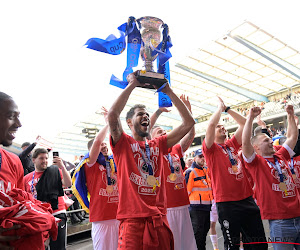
[151,30]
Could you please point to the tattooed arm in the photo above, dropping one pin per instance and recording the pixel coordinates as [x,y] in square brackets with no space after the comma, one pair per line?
[114,121]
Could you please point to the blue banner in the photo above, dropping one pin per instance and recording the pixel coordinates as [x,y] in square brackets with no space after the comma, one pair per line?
[112,45]
[115,46]
[130,29]
[133,48]
[163,66]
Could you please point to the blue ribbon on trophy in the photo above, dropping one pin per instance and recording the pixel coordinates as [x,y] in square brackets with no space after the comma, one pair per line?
[163,65]
[115,46]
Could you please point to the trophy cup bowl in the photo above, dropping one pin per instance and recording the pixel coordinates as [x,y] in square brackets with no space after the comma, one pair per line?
[150,28]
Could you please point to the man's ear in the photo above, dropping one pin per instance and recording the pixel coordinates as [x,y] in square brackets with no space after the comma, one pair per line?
[129,122]
[255,147]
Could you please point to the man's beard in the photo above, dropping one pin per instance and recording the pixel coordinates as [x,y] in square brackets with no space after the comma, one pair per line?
[139,132]
[223,137]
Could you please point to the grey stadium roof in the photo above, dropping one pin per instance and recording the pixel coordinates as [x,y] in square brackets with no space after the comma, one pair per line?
[247,64]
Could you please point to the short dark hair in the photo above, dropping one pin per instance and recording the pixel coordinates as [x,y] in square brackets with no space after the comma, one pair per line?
[90,143]
[39,151]
[4,97]
[130,113]
[25,144]
[152,129]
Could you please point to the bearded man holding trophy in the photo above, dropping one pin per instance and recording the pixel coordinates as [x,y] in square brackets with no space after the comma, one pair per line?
[140,161]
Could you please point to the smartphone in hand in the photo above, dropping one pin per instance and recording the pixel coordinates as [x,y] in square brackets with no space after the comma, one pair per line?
[55,154]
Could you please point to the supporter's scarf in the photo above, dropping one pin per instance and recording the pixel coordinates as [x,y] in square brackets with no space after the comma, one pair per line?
[79,186]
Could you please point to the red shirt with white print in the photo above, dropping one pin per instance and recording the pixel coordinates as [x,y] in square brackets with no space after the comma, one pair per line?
[176,190]
[103,205]
[274,203]
[227,185]
[37,224]
[30,188]
[11,172]
[136,197]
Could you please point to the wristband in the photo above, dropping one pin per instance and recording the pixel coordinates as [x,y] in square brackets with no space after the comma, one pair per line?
[227,108]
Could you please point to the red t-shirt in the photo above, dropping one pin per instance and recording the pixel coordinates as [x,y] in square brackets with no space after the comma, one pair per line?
[11,172]
[277,147]
[227,185]
[103,205]
[28,187]
[176,190]
[137,198]
[274,204]
[20,208]
[296,161]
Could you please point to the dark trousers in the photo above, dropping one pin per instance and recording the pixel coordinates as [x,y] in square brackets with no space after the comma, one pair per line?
[241,217]
[60,243]
[201,224]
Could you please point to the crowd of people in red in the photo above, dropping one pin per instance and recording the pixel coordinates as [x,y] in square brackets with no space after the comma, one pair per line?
[143,197]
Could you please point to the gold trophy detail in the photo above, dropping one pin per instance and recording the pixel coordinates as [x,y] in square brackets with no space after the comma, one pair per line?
[151,30]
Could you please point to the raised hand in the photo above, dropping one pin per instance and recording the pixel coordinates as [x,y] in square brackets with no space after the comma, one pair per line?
[254,112]
[289,109]
[221,104]
[104,113]
[58,162]
[164,110]
[37,139]
[260,122]
[185,100]
[131,78]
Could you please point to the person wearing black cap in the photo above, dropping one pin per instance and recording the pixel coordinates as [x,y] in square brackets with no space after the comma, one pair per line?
[26,157]
[200,195]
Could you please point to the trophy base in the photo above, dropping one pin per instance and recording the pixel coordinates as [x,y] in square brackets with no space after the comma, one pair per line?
[150,80]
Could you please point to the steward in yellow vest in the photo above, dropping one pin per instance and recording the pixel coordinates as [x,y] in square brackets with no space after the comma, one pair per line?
[200,195]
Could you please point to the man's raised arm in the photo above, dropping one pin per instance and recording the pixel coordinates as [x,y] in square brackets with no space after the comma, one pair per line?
[212,124]
[96,147]
[114,112]
[247,132]
[240,121]
[155,116]
[187,140]
[292,130]
[187,120]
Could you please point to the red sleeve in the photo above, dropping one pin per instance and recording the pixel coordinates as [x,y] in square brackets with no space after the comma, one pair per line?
[254,163]
[277,147]
[283,153]
[177,149]
[233,142]
[208,151]
[116,147]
